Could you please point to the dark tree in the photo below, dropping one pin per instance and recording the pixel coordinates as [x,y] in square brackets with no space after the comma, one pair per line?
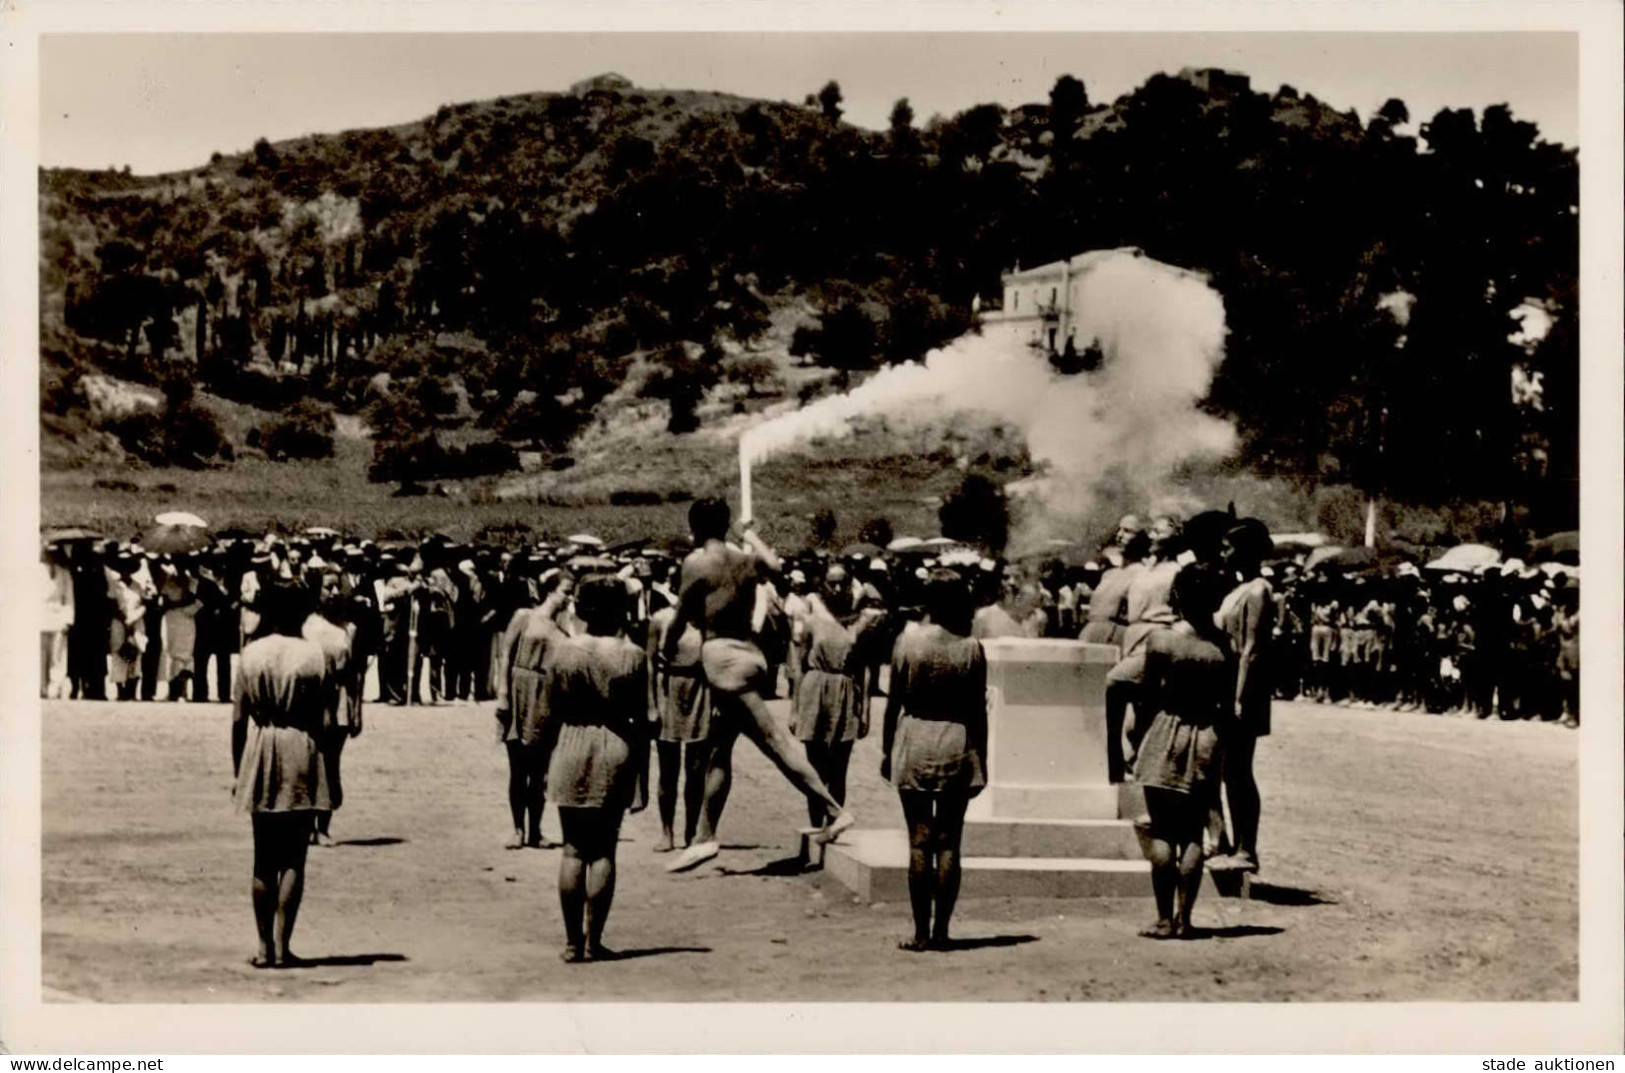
[977,513]
[829,101]
[823,527]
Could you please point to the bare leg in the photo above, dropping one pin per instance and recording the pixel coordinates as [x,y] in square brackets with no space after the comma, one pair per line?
[950,827]
[696,761]
[819,755]
[601,880]
[294,840]
[1160,852]
[718,778]
[1116,712]
[840,759]
[1241,788]
[1190,884]
[758,724]
[669,753]
[573,883]
[518,792]
[265,889]
[922,876]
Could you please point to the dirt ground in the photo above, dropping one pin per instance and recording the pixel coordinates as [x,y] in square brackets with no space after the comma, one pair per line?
[1406,857]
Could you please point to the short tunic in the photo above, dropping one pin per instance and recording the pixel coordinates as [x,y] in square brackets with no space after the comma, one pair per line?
[1148,613]
[685,702]
[596,696]
[281,693]
[1189,683]
[940,679]
[341,714]
[829,701]
[1247,616]
[529,638]
[1108,606]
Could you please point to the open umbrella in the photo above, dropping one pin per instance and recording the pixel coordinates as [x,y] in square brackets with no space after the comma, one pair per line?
[586,540]
[181,518]
[1557,548]
[175,539]
[1290,544]
[1338,557]
[70,535]
[867,551]
[905,543]
[1465,558]
[321,531]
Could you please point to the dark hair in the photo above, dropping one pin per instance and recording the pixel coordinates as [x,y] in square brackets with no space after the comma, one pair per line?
[1251,538]
[947,599]
[284,606]
[708,518]
[1204,534]
[602,603]
[1196,593]
[1138,546]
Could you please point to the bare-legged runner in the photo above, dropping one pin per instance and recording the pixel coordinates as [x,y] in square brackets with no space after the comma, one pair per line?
[718,594]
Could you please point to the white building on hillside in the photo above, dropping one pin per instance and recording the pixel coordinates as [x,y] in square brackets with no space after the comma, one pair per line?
[1041,304]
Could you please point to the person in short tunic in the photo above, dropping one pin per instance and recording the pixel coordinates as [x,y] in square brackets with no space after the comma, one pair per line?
[281,700]
[1324,612]
[521,711]
[1147,611]
[1189,685]
[830,711]
[683,747]
[596,734]
[341,719]
[1107,614]
[934,748]
[1247,617]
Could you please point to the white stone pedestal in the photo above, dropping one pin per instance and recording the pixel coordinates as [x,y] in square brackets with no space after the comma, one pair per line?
[1049,822]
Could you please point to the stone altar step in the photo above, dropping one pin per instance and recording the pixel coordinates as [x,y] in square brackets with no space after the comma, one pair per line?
[873,864]
[1108,839]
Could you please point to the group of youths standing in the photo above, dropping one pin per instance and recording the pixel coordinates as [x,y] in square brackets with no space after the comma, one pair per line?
[596,663]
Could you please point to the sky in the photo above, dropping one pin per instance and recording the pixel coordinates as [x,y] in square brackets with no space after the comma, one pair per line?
[164,102]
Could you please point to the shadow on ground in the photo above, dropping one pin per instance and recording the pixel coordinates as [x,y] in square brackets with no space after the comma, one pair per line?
[344,960]
[1276,895]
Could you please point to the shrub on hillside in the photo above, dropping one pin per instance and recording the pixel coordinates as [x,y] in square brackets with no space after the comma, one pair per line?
[876,531]
[181,434]
[306,432]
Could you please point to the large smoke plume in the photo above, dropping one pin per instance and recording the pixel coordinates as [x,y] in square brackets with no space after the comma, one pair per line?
[1115,433]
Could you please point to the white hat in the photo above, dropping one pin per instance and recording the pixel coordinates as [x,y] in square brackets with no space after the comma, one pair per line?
[1512,566]
[878,566]
[466,566]
[797,577]
[1459,603]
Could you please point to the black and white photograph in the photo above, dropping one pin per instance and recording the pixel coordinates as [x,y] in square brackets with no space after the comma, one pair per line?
[1040,515]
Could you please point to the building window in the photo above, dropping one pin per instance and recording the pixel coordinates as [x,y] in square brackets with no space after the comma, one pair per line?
[1015,300]
[1052,296]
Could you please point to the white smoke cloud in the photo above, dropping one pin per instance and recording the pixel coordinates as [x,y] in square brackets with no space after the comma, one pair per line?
[1161,332]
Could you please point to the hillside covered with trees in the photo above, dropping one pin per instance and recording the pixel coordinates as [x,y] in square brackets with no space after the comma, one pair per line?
[505,266]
